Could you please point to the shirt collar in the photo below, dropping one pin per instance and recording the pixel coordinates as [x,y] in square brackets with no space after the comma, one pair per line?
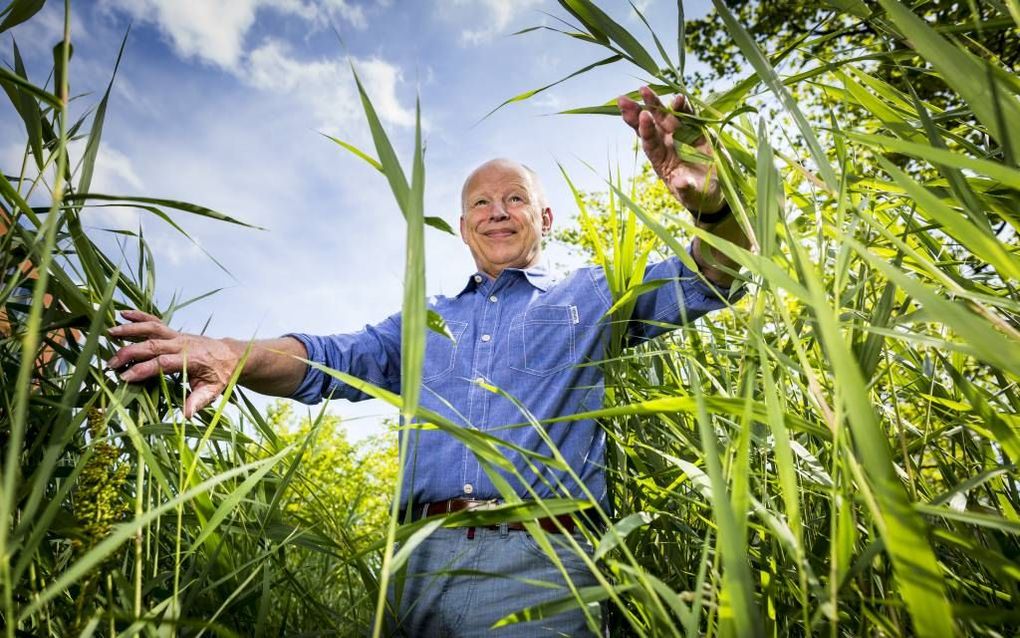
[538,276]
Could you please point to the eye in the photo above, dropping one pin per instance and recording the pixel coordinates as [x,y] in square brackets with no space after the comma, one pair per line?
[480,202]
[516,198]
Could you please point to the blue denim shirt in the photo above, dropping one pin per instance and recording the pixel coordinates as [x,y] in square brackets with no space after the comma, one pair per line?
[526,334]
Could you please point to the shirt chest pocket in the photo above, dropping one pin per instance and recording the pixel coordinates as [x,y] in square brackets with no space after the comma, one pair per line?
[542,340]
[441,352]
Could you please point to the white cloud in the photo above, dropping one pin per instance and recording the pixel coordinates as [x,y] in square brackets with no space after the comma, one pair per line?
[113,174]
[326,86]
[348,12]
[210,30]
[496,15]
[177,249]
[214,31]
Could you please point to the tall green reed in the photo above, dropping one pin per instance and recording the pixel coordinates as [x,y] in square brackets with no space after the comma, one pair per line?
[117,516]
[858,301]
[833,455]
[786,468]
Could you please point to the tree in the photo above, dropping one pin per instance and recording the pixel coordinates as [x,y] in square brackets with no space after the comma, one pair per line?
[344,486]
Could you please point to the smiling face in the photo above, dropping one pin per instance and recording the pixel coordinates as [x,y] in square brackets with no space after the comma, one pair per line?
[503,216]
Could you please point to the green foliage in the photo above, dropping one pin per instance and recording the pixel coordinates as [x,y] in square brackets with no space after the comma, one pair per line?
[98,499]
[117,516]
[836,410]
[344,487]
[836,454]
[819,30]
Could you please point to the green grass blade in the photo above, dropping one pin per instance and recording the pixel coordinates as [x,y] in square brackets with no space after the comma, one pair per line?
[126,531]
[905,533]
[374,163]
[533,92]
[973,79]
[384,149]
[186,207]
[19,11]
[27,108]
[88,161]
[602,26]
[413,317]
[1006,175]
[12,79]
[233,499]
[737,584]
[982,244]
[768,75]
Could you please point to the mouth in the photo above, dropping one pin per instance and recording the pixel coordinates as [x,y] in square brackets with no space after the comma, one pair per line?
[501,233]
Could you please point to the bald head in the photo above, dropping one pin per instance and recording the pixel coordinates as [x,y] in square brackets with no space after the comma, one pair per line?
[504,216]
[502,163]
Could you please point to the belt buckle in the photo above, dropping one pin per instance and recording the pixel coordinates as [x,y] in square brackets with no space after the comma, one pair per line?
[477,504]
[482,504]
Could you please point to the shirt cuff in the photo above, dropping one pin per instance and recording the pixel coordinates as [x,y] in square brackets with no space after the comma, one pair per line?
[310,390]
[702,285]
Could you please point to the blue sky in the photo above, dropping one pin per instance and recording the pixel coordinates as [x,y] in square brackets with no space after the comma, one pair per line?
[222,102]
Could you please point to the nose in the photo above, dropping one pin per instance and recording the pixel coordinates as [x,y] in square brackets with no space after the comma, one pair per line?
[498,212]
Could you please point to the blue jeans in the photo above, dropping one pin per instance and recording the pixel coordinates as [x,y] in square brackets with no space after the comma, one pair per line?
[489,582]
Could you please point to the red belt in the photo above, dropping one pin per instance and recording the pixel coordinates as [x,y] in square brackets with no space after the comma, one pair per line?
[548,524]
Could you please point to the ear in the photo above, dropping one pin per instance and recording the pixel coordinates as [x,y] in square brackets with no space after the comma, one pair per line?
[547,220]
[463,224]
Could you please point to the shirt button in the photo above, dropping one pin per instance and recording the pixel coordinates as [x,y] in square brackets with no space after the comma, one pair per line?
[493,299]
[479,379]
[478,279]
[468,488]
[486,337]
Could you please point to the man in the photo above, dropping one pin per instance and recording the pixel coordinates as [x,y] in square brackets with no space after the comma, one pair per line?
[515,329]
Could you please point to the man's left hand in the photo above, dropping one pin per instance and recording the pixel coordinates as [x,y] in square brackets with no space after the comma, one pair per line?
[693,183]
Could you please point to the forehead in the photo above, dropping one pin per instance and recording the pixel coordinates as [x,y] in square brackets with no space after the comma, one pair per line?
[497,176]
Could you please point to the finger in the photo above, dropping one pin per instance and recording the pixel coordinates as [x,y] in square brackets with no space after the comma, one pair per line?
[163,364]
[651,99]
[138,315]
[652,141]
[142,330]
[629,110]
[663,118]
[682,105]
[198,399]
[143,351]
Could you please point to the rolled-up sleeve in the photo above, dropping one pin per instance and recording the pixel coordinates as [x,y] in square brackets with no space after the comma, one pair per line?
[371,354]
[683,297]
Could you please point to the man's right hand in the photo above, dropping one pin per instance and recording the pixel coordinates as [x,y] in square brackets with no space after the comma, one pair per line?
[160,349]
[693,183]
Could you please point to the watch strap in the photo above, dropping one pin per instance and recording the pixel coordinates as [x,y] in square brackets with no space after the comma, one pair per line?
[713,218]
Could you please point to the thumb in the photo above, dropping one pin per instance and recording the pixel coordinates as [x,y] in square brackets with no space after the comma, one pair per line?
[682,105]
[198,399]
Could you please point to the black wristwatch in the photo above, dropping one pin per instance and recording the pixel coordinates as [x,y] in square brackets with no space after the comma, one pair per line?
[712,218]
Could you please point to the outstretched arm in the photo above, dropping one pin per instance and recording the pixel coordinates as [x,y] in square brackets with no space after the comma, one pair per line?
[269,369]
[693,183]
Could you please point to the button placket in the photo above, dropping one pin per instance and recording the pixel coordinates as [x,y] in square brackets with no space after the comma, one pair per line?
[481,364]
